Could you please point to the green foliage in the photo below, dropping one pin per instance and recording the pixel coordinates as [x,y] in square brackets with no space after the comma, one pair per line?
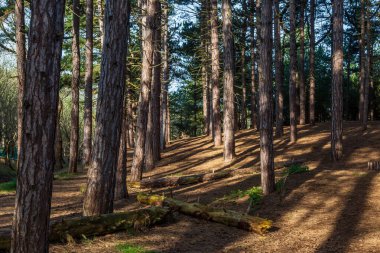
[294,169]
[8,187]
[129,248]
[255,194]
[6,171]
[297,169]
[64,175]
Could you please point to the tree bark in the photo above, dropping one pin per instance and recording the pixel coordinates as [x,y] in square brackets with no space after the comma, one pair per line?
[279,66]
[337,80]
[148,22]
[367,70]
[253,62]
[156,86]
[302,64]
[40,101]
[217,129]
[362,62]
[243,70]
[101,174]
[258,44]
[87,121]
[75,80]
[230,218]
[312,64]
[165,76]
[228,96]
[293,74]
[58,149]
[265,91]
[121,191]
[204,68]
[21,61]
[100,4]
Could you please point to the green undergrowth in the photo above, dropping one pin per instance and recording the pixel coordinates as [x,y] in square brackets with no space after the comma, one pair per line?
[254,194]
[6,171]
[8,187]
[129,248]
[65,175]
[292,170]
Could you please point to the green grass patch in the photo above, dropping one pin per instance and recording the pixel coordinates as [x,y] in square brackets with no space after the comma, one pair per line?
[65,175]
[129,248]
[297,169]
[294,169]
[255,195]
[8,187]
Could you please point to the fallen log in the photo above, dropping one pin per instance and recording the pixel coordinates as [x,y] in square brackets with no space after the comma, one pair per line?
[180,180]
[226,217]
[86,227]
[374,165]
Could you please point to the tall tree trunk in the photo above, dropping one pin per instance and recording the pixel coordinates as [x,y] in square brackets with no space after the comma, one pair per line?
[362,60]
[217,129]
[346,93]
[165,75]
[156,85]
[149,162]
[101,174]
[312,64]
[258,52]
[293,73]
[265,91]
[148,9]
[243,69]
[36,160]
[21,60]
[279,66]
[367,71]
[87,133]
[100,4]
[58,148]
[372,103]
[253,62]
[302,65]
[228,96]
[204,68]
[121,191]
[74,135]
[337,80]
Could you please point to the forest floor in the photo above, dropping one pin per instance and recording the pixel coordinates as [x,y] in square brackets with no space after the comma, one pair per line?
[335,207]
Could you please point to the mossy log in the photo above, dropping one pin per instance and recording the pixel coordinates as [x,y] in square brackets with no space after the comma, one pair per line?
[226,217]
[180,180]
[87,227]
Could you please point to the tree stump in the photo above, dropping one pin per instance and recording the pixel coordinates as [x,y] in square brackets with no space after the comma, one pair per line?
[374,165]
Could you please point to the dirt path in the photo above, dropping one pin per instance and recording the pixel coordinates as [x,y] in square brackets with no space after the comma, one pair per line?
[332,208]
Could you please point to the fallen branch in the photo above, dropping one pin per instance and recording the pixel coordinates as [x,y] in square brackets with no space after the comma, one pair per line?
[226,217]
[85,227]
[180,180]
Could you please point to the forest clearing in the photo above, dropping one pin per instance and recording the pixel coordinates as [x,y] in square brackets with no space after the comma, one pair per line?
[331,208]
[141,126]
